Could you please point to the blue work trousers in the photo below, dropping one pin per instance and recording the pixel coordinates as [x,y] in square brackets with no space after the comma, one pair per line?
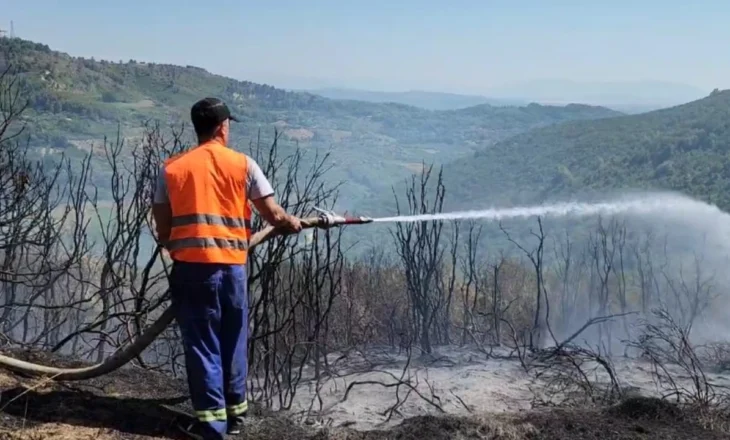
[211,305]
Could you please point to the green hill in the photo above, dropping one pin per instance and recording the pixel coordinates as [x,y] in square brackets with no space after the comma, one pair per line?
[74,101]
[684,148]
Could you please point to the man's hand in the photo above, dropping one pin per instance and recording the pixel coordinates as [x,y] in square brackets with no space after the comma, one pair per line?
[291,224]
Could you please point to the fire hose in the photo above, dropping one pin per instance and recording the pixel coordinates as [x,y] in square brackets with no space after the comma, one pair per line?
[324,220]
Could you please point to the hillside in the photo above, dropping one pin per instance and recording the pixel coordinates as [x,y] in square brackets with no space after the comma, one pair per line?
[684,148]
[75,101]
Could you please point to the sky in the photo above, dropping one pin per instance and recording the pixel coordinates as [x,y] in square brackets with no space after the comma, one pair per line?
[461,46]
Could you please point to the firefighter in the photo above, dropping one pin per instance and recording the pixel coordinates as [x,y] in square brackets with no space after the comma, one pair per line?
[203,219]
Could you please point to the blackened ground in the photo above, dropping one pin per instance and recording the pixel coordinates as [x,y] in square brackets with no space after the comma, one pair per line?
[133,404]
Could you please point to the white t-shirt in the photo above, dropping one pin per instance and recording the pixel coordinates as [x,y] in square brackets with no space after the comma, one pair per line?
[257,185]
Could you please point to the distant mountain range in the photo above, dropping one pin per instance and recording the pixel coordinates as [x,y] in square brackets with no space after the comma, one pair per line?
[627,97]
[620,95]
[416,98]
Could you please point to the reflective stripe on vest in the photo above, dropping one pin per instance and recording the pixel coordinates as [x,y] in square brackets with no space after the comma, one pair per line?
[211,220]
[206,242]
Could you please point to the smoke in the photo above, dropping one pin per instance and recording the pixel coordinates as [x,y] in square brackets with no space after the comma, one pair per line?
[695,255]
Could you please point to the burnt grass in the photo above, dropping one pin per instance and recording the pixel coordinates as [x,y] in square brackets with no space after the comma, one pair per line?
[132,403]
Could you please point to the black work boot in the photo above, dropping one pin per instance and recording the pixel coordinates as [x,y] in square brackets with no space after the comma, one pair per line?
[236,424]
[198,431]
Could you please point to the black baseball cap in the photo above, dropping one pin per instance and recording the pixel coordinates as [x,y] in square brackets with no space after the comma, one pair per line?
[208,113]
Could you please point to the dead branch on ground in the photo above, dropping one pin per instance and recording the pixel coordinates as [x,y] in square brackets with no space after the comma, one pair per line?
[676,368]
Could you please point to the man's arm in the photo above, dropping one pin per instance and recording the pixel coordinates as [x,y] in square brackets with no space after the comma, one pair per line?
[161,210]
[261,194]
[275,215]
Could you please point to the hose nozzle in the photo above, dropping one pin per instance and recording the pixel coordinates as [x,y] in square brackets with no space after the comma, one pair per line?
[330,219]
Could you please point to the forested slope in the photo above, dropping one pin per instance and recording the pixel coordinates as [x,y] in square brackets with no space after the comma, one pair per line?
[75,101]
[684,148]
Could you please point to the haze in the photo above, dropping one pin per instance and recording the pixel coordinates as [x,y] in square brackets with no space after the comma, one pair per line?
[619,53]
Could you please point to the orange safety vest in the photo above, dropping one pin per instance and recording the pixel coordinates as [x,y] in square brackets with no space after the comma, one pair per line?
[211,218]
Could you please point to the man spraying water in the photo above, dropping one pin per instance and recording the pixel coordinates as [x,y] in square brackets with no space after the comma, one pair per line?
[203,219]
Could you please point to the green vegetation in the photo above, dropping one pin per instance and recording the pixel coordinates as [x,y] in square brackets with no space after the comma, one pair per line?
[74,101]
[684,148]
